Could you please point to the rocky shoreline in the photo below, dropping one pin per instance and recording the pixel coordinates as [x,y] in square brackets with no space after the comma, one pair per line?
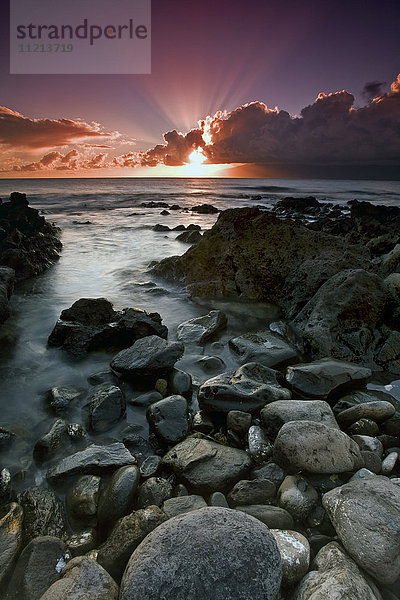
[279,479]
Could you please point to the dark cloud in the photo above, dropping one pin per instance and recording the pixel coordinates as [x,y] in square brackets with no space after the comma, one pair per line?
[373,89]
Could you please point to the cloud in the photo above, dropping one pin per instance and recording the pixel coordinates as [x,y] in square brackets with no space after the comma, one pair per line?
[329,131]
[18,131]
[71,161]
[372,89]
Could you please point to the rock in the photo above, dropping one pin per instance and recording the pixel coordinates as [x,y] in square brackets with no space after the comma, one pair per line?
[5,486]
[207,466]
[372,461]
[183,504]
[169,419]
[389,463]
[218,542]
[272,516]
[60,399]
[153,492]
[93,459]
[297,496]
[146,399]
[50,444]
[117,498]
[389,355]
[180,491]
[82,542]
[126,536]
[211,363]
[106,407]
[201,329]
[371,505]
[378,411]
[180,382]
[83,578]
[257,491]
[10,539]
[159,227]
[82,499]
[205,209]
[218,499]
[238,421]
[189,237]
[326,377]
[6,438]
[92,324]
[363,427]
[7,279]
[338,320]
[280,412]
[316,448]
[36,569]
[263,347]
[202,422]
[368,443]
[260,447]
[150,466]
[248,389]
[295,554]
[164,213]
[337,576]
[43,514]
[270,471]
[150,357]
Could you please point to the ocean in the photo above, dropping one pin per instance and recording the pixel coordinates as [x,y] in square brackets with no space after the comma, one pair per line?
[108,244]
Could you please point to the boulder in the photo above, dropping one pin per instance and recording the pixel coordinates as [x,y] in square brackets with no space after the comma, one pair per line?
[205,209]
[105,408]
[263,347]
[218,544]
[59,399]
[53,442]
[335,575]
[82,578]
[297,496]
[238,421]
[206,466]
[280,412]
[43,514]
[189,237]
[378,411]
[7,278]
[247,389]
[272,516]
[183,504]
[169,419]
[256,491]
[201,329]
[150,358]
[92,460]
[125,537]
[82,499]
[295,554]
[316,448]
[117,498]
[10,539]
[371,505]
[326,378]
[260,447]
[153,492]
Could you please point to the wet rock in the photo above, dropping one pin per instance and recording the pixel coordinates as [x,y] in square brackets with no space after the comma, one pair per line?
[36,569]
[7,278]
[272,516]
[265,348]
[389,355]
[60,399]
[83,578]
[248,389]
[93,459]
[179,491]
[202,422]
[169,419]
[256,491]
[297,496]
[126,536]
[160,227]
[180,382]
[6,438]
[218,499]
[389,463]
[43,514]
[372,461]
[205,209]
[211,364]
[117,498]
[326,377]
[295,554]
[201,329]
[316,448]
[238,421]
[363,427]
[146,399]
[5,486]
[280,412]
[82,542]
[150,466]
[207,466]
[76,431]
[270,471]
[260,447]
[106,407]
[150,358]
[54,441]
[139,446]
[368,443]
[189,237]
[183,504]
[93,324]
[373,540]
[82,499]
[378,411]
[335,575]
[153,492]
[10,539]
[239,539]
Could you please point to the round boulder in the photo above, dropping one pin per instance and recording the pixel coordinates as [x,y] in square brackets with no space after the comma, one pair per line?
[199,555]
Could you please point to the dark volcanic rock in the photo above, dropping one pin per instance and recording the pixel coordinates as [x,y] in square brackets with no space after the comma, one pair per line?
[7,277]
[93,324]
[264,347]
[169,419]
[189,237]
[51,443]
[117,498]
[205,209]
[106,407]
[10,539]
[43,514]
[218,544]
[199,330]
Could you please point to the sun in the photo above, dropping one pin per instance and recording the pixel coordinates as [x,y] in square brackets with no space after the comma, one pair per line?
[197,157]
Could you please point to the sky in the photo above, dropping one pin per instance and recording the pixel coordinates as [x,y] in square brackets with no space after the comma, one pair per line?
[236,88]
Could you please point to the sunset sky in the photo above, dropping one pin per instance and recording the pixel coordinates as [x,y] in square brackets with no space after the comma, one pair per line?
[237,88]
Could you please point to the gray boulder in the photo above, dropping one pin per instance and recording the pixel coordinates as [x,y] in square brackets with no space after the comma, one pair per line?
[297,496]
[371,505]
[92,460]
[218,544]
[260,447]
[295,554]
[247,389]
[10,539]
[7,278]
[316,448]
[55,440]
[326,377]
[183,504]
[335,576]
[265,348]
[105,408]
[43,514]
[169,419]
[59,399]
[117,498]
[377,410]
[280,412]
[150,357]
[207,466]
[126,536]
[189,237]
[153,492]
[256,491]
[272,516]
[83,578]
[201,329]
[82,499]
